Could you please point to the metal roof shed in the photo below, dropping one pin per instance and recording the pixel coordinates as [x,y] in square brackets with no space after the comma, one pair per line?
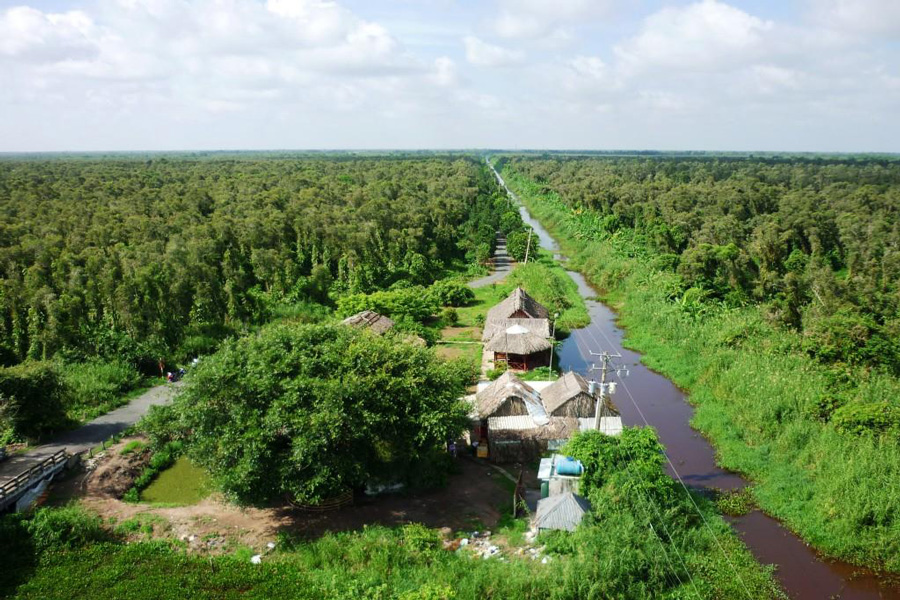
[564,512]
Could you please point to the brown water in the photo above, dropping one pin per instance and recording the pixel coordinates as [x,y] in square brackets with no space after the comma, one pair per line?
[646,397]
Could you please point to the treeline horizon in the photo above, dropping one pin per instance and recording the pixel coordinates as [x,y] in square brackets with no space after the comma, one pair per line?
[95,255]
[816,244]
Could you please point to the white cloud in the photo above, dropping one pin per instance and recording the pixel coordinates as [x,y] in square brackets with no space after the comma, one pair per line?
[589,67]
[29,34]
[445,73]
[488,55]
[878,17]
[540,19]
[707,35]
[313,73]
[218,54]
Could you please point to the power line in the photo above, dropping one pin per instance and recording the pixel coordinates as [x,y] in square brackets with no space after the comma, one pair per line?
[644,497]
[677,474]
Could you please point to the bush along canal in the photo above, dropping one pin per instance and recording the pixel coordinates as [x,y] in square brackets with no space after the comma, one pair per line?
[648,398]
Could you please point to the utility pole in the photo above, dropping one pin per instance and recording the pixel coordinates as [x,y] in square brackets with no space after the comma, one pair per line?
[604,385]
[552,345]
[528,246]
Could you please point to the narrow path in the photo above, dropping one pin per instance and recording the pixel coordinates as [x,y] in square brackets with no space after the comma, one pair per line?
[502,265]
[92,434]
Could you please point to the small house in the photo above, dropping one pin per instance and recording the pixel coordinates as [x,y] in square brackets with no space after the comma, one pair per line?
[508,396]
[519,348]
[525,439]
[539,327]
[518,305]
[569,396]
[563,512]
[371,320]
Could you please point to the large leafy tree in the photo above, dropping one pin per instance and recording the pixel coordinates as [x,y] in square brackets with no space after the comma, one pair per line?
[312,410]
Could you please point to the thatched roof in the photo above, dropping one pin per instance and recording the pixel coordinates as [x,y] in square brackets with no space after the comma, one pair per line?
[563,511]
[566,388]
[517,340]
[371,320]
[539,327]
[517,301]
[500,390]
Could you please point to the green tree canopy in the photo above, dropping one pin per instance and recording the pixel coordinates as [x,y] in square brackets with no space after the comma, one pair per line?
[312,410]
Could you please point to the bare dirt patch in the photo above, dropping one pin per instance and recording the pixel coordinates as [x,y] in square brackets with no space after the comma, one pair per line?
[114,473]
[461,334]
[474,499]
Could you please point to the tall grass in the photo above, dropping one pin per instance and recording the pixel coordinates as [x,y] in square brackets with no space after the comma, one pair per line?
[612,560]
[98,386]
[757,395]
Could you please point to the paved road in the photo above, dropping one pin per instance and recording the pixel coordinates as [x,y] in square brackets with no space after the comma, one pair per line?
[501,267]
[91,434]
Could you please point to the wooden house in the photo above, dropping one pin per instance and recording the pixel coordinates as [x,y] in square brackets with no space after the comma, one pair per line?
[518,305]
[519,348]
[507,396]
[539,327]
[569,396]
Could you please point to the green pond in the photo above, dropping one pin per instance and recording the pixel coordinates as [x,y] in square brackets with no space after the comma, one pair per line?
[182,483]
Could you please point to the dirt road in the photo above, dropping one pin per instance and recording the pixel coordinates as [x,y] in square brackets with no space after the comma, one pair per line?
[502,265]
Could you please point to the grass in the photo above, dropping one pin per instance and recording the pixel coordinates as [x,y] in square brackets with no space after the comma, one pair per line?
[183,483]
[94,388]
[736,502]
[757,396]
[468,351]
[132,447]
[67,553]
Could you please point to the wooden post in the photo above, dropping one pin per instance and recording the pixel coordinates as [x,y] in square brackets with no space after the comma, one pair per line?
[519,494]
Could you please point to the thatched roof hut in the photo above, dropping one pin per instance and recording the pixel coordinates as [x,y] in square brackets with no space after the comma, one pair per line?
[517,340]
[518,305]
[371,320]
[539,327]
[569,396]
[508,396]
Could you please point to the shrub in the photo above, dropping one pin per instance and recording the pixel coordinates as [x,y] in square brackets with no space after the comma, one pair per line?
[448,292]
[859,417]
[97,385]
[413,302]
[449,316]
[65,528]
[31,401]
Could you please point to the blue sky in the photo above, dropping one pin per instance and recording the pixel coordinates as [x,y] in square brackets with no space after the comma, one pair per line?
[794,75]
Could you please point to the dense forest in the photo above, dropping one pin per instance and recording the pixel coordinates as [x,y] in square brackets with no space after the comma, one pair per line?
[97,255]
[111,265]
[816,241]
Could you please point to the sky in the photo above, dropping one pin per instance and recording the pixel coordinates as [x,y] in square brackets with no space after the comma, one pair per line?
[778,75]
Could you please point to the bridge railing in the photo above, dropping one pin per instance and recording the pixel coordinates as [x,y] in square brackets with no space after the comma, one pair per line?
[24,479]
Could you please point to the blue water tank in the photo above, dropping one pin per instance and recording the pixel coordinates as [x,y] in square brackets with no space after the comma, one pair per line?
[569,466]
